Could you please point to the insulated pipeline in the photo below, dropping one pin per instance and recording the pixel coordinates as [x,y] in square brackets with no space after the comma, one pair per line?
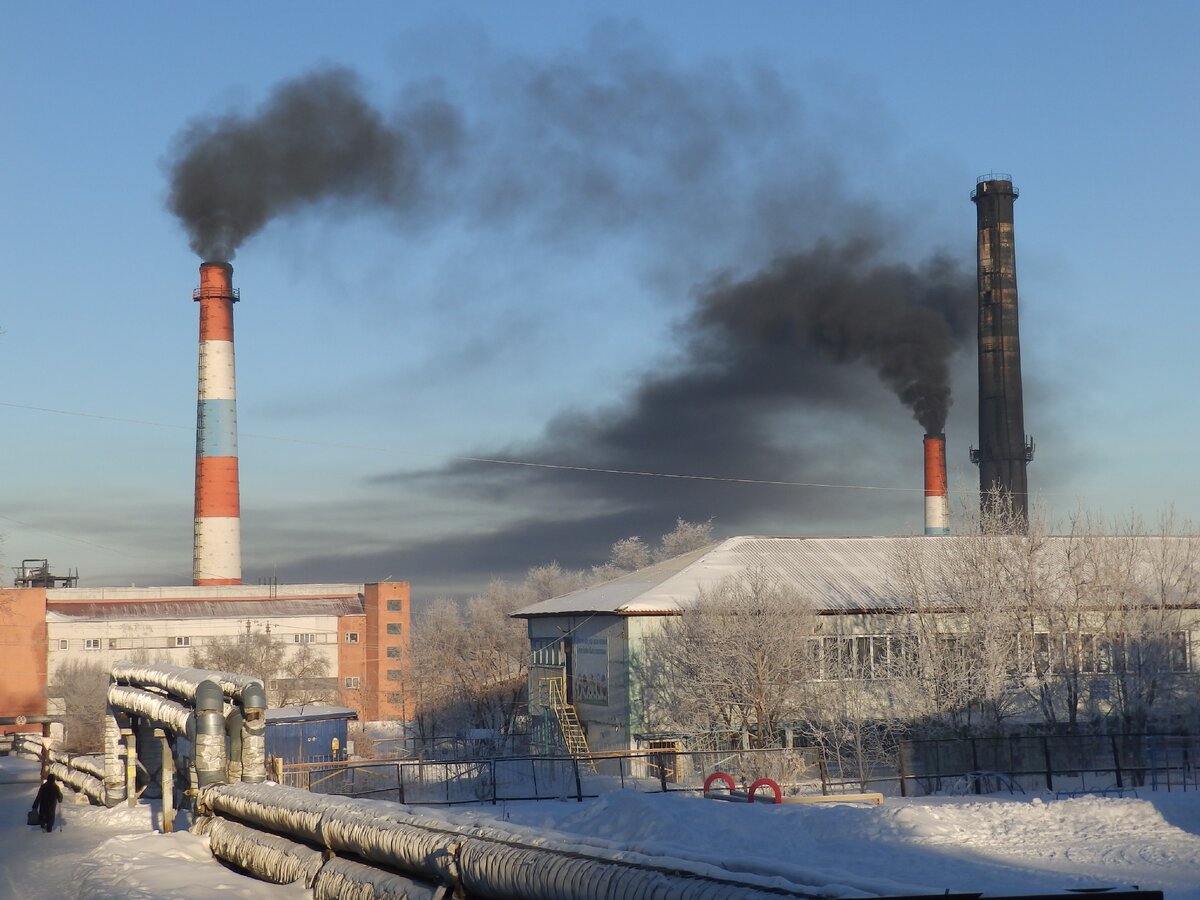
[266,856]
[484,866]
[182,681]
[92,763]
[162,709]
[81,781]
[344,879]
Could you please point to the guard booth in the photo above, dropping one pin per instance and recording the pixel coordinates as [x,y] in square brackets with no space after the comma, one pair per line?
[300,734]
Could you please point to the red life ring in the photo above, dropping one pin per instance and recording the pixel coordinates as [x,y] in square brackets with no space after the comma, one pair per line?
[718,776]
[766,782]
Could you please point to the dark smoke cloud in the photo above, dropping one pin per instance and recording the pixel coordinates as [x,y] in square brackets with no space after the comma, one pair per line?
[841,302]
[315,139]
[777,372]
[792,340]
[610,139]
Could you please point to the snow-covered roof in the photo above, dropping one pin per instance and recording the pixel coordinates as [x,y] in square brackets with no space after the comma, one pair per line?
[201,592]
[109,611]
[842,574]
[837,574]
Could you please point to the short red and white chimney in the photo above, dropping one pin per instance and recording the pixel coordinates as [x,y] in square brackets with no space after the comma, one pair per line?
[217,546]
[937,499]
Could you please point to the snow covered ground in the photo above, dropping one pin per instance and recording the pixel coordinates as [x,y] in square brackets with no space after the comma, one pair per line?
[927,845]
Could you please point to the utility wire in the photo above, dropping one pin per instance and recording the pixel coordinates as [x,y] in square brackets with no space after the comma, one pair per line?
[596,470]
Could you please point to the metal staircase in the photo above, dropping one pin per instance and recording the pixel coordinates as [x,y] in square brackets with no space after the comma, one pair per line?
[554,693]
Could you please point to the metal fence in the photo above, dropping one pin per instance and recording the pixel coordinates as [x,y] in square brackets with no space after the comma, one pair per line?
[550,778]
[1070,764]
[1064,764]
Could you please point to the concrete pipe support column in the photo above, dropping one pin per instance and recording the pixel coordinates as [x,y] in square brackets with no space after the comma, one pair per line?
[114,771]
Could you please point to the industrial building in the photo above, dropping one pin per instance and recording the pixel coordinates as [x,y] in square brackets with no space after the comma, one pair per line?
[588,647]
[360,631]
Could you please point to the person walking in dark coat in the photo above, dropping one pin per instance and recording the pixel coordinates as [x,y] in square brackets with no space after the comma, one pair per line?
[46,802]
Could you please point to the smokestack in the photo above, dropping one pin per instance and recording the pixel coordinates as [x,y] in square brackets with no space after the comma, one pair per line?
[937,499]
[1004,448]
[217,548]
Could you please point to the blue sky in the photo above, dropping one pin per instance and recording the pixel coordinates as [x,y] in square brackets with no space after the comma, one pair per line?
[375,351]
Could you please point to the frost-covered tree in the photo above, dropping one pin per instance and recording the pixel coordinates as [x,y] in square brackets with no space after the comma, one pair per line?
[293,674]
[684,538]
[735,661]
[83,689]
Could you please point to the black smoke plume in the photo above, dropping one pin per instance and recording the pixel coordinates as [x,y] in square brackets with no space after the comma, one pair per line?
[708,168]
[843,303]
[758,351]
[315,139]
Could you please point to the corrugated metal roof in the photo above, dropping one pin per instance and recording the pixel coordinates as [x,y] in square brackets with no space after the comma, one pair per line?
[195,609]
[613,596]
[852,574]
[203,592]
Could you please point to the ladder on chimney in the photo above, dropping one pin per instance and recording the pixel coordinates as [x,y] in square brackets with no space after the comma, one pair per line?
[554,692]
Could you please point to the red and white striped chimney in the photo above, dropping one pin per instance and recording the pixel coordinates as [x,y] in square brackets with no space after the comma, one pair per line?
[217,546]
[937,499]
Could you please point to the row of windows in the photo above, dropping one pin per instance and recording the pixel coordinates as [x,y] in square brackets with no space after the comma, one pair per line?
[174,641]
[353,681]
[352,637]
[890,656]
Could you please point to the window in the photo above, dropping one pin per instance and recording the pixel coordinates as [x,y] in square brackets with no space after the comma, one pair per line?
[91,644]
[393,652]
[63,645]
[546,651]
[183,642]
[393,674]
[304,638]
[393,628]
[352,681]
[1177,651]
[351,637]
[394,606]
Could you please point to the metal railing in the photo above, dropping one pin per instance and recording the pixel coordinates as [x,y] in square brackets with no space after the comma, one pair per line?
[1066,765]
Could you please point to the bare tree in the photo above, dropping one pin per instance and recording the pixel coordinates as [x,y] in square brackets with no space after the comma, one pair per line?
[734,661]
[469,664]
[255,653]
[1151,580]
[83,688]
[303,678]
[961,596]
[293,678]
[684,538]
[627,555]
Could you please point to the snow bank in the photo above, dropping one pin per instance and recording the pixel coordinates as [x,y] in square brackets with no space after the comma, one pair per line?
[167,867]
